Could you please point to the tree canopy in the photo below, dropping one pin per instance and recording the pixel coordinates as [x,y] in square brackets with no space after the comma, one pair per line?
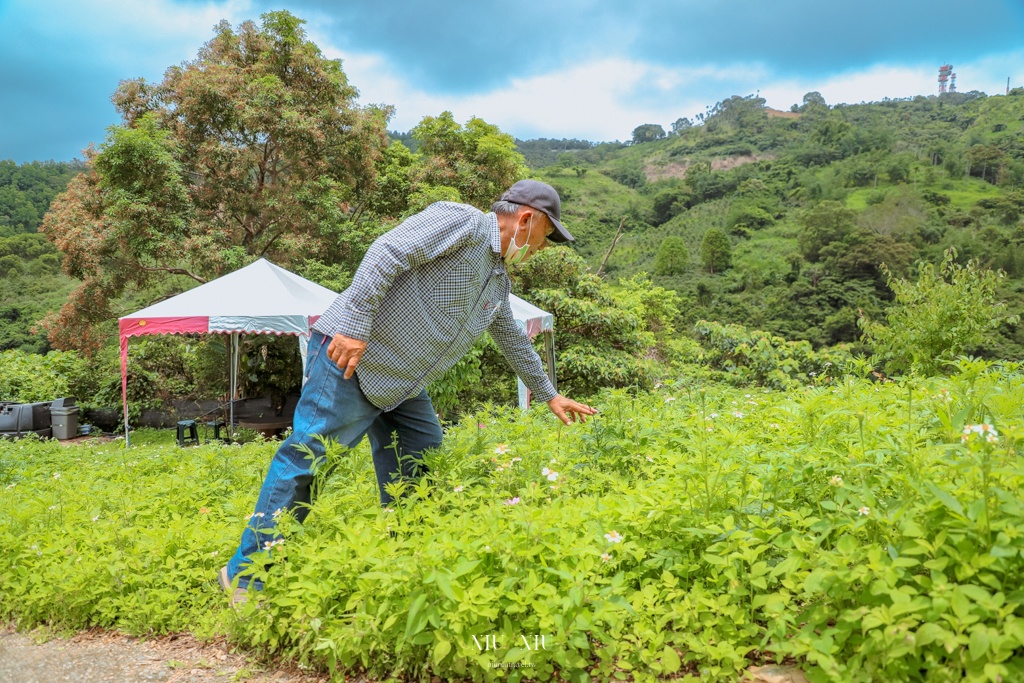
[255,148]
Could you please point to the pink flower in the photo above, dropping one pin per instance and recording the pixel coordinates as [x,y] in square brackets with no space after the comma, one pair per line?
[512,501]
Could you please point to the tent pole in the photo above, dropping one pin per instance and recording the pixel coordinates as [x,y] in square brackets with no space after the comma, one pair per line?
[549,351]
[233,355]
[124,388]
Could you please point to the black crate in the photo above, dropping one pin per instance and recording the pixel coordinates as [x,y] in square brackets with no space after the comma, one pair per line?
[19,419]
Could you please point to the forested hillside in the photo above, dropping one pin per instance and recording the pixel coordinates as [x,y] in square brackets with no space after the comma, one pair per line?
[802,224]
[782,220]
[30,279]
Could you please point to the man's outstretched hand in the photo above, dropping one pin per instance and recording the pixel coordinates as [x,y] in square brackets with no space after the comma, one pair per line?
[569,410]
[346,352]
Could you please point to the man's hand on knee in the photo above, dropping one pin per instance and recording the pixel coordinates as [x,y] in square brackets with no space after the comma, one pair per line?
[346,352]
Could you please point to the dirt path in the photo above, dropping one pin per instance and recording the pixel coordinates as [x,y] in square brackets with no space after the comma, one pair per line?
[107,657]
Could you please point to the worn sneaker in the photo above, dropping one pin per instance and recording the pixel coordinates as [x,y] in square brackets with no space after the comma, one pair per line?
[239,595]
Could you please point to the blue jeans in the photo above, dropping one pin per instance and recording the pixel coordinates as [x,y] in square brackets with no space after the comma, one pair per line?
[333,407]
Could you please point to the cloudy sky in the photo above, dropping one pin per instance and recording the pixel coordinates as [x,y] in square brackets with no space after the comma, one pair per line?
[592,69]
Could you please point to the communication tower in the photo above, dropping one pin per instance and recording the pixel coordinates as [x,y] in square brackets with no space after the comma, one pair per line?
[945,71]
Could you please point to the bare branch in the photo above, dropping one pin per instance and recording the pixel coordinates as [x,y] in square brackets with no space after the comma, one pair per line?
[176,271]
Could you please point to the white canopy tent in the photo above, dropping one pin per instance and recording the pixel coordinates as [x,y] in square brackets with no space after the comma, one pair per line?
[262,298]
[534,321]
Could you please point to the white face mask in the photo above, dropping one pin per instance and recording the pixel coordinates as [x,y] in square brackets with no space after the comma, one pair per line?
[515,254]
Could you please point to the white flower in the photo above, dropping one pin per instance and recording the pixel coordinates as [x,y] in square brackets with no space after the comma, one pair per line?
[388,510]
[606,557]
[215,553]
[267,545]
[56,475]
[256,514]
[836,480]
[514,460]
[552,476]
[613,536]
[52,507]
[774,425]
[458,489]
[278,512]
[502,448]
[864,511]
[738,414]
[713,415]
[650,459]
[986,430]
[669,399]
[96,518]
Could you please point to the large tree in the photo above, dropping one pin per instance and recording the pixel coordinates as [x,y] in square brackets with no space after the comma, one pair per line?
[473,164]
[255,148]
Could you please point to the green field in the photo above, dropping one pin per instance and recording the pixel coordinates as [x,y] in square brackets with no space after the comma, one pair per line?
[860,530]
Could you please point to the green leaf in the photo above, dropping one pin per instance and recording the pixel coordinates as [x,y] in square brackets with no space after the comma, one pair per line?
[417,618]
[444,585]
[947,499]
[847,544]
[441,650]
[929,633]
[424,638]
[979,642]
[670,660]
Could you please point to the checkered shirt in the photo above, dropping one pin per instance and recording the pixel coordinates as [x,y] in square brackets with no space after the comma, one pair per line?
[424,293]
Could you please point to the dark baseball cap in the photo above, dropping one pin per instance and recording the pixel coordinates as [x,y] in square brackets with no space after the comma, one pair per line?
[543,197]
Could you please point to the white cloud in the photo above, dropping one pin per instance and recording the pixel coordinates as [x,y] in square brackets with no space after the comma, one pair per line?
[986,74]
[870,85]
[605,99]
[598,100]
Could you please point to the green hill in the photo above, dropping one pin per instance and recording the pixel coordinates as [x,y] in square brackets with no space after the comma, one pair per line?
[813,202]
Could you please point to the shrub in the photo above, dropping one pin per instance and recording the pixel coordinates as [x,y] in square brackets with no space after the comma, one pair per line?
[745,356]
[947,311]
[29,377]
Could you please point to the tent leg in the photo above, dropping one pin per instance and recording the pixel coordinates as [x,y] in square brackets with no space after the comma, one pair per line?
[124,388]
[549,352]
[233,355]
